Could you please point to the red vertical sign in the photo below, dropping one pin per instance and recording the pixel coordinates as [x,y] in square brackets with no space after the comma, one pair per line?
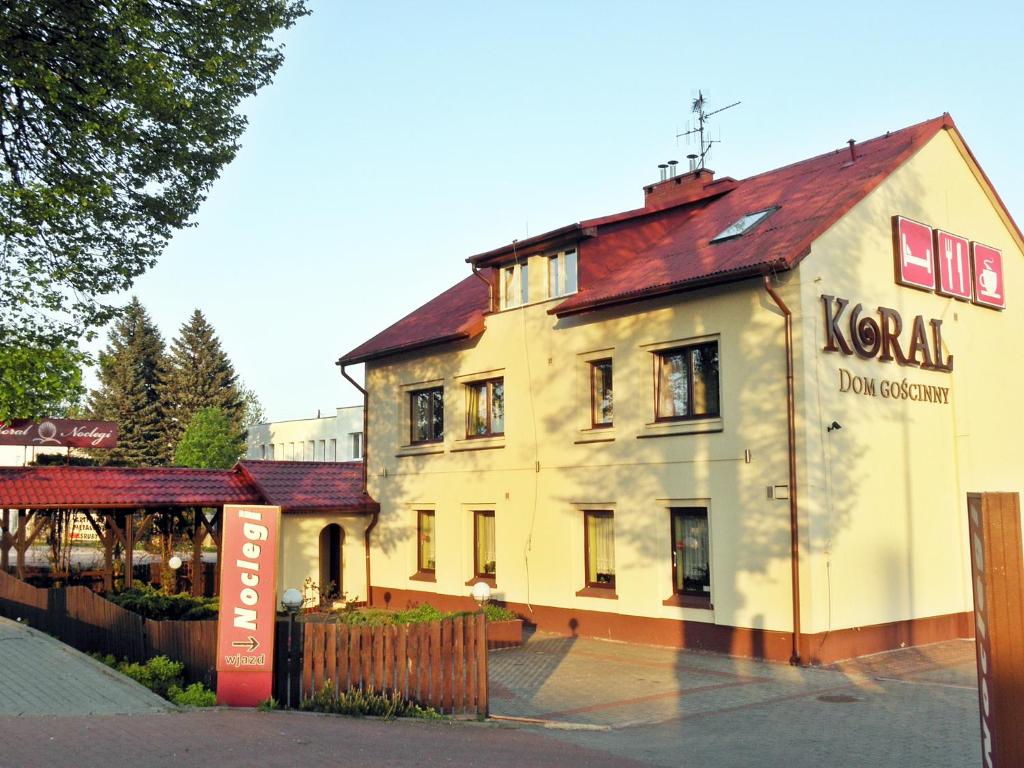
[997,570]
[248,609]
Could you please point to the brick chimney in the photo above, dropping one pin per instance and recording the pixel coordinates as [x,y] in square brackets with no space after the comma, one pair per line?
[684,188]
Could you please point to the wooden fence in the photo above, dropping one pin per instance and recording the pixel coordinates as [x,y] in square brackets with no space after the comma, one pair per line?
[441,664]
[84,620]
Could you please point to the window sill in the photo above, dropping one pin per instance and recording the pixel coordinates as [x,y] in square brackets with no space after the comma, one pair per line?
[420,449]
[596,435]
[692,427]
[688,601]
[490,581]
[423,576]
[607,593]
[479,443]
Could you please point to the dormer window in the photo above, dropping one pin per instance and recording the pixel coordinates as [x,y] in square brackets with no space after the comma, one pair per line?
[562,278]
[744,224]
[515,285]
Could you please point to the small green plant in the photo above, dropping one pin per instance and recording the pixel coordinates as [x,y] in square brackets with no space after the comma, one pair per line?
[498,613]
[196,695]
[359,703]
[159,674]
[268,705]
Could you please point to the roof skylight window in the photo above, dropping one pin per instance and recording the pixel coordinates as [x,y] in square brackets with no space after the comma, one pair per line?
[744,224]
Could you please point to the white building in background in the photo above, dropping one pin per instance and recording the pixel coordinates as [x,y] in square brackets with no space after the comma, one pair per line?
[23,455]
[325,438]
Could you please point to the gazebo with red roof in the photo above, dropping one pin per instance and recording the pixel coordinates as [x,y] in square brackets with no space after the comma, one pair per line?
[122,503]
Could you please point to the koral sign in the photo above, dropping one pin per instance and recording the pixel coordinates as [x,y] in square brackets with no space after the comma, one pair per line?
[862,334]
[248,610]
[64,433]
[950,265]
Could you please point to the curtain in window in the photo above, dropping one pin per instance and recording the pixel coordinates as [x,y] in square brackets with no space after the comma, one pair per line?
[554,289]
[497,407]
[427,543]
[693,562]
[508,289]
[601,542]
[485,559]
[570,272]
[524,284]
[602,373]
[476,409]
[437,414]
[420,416]
[705,379]
[672,384]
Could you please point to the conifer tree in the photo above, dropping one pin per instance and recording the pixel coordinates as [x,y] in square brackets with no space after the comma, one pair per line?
[130,390]
[199,375]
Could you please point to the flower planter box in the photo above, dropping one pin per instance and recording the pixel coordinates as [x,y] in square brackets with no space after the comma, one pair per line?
[504,634]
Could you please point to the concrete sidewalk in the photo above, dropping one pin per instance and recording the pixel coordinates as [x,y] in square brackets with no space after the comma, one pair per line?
[39,675]
[917,706]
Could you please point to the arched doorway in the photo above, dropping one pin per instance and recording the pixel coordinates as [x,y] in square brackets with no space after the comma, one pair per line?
[331,538]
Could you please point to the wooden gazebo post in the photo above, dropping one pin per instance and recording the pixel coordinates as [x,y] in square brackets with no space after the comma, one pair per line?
[6,540]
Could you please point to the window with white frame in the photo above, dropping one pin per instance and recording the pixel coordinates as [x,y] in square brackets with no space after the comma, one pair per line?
[515,285]
[357,444]
[332,450]
[562,274]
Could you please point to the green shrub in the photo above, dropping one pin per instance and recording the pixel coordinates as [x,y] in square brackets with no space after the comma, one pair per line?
[358,703]
[152,603]
[196,695]
[159,674]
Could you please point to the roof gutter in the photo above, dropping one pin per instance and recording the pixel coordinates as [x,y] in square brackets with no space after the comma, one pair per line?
[366,422]
[366,460]
[794,531]
[722,278]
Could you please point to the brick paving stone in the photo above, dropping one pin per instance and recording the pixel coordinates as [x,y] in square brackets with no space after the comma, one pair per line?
[39,675]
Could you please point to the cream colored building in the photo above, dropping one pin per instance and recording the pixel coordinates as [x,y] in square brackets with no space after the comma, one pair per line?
[596,422]
[338,437]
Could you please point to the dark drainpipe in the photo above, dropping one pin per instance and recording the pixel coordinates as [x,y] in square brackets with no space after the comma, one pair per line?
[366,457]
[794,531]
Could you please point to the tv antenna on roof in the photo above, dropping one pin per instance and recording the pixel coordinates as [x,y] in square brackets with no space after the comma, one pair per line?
[702,117]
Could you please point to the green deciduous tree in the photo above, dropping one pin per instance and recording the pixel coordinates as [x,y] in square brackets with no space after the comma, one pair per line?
[210,441]
[40,381]
[130,372]
[254,413]
[200,375]
[116,116]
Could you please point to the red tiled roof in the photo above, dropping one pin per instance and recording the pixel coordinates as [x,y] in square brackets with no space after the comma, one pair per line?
[122,487]
[310,485]
[644,253]
[289,485]
[651,254]
[456,314]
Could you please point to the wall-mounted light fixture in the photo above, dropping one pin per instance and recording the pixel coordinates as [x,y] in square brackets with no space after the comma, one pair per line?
[835,425]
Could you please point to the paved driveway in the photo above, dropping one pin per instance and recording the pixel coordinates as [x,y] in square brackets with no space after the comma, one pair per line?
[915,707]
[41,676]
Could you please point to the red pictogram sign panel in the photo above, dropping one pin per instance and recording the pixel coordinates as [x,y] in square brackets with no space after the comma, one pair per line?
[988,276]
[915,264]
[952,255]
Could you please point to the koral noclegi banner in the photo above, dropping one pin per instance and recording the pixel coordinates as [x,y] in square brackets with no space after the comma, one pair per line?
[248,604]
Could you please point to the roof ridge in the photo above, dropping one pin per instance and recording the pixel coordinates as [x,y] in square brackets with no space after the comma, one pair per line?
[944,117]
